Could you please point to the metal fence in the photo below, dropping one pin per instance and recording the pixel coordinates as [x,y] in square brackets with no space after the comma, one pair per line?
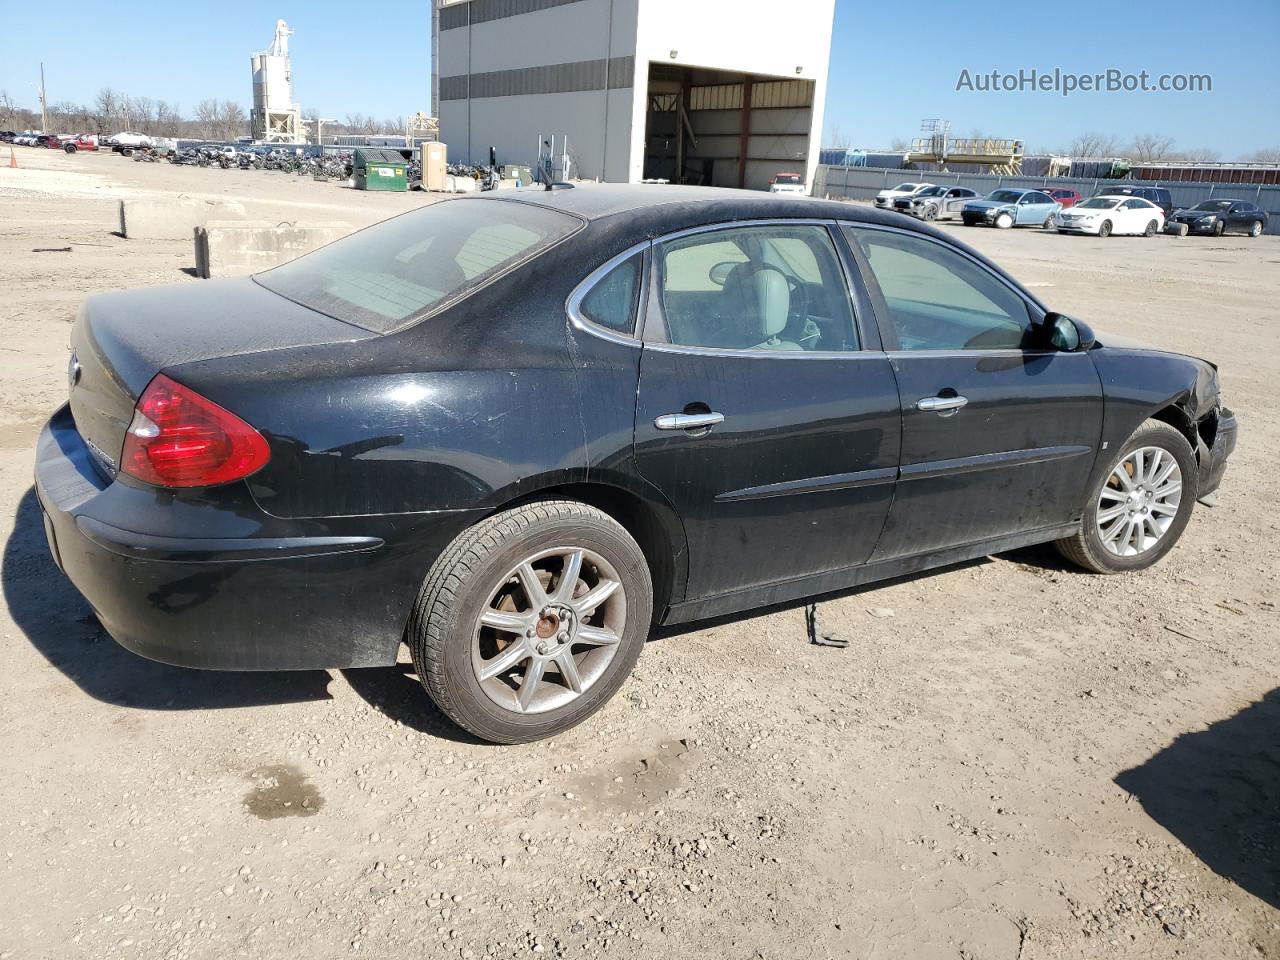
[863,183]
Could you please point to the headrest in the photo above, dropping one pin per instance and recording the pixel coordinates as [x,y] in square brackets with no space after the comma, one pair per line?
[760,298]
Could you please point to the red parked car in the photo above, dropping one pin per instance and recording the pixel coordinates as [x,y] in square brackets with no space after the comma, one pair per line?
[73,142]
[1068,198]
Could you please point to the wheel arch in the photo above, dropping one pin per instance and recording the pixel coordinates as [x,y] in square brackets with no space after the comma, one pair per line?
[652,523]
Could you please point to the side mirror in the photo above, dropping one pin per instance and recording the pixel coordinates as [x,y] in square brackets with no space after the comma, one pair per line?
[1060,332]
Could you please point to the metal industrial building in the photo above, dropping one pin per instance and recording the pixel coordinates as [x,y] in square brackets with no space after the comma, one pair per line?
[721,92]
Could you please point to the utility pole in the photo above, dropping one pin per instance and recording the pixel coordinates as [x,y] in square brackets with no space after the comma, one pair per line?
[44,108]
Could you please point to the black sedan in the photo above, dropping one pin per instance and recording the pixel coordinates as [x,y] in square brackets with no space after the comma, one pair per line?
[1216,217]
[516,431]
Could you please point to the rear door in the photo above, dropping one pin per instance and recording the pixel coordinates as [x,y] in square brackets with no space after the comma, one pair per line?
[766,412]
[997,438]
[1034,208]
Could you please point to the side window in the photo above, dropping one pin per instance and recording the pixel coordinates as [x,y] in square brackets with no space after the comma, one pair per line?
[777,288]
[1131,205]
[939,299]
[611,302]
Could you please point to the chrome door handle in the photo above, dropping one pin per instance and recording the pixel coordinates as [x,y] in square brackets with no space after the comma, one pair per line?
[688,421]
[943,406]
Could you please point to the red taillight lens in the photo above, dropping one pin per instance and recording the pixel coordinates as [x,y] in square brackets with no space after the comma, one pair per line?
[180,439]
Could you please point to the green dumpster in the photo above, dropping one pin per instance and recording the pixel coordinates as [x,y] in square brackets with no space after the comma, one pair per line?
[379,169]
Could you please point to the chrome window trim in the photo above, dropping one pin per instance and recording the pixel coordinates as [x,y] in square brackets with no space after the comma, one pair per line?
[854,314]
[573,305]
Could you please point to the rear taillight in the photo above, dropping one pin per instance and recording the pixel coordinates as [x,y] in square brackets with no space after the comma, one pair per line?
[180,439]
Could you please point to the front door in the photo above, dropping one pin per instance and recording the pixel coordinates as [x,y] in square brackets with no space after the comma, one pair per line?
[761,413]
[997,439]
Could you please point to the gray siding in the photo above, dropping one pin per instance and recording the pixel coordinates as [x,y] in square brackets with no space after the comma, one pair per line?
[482,11]
[552,78]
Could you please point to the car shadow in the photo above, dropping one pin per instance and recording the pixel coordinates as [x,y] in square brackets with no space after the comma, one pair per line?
[396,693]
[59,624]
[1217,791]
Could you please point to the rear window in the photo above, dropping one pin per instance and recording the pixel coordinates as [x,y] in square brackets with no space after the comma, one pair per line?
[398,271]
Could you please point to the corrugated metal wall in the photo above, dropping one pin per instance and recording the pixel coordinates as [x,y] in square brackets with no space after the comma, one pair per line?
[863,183]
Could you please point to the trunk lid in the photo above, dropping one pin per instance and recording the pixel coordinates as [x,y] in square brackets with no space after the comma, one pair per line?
[121,340]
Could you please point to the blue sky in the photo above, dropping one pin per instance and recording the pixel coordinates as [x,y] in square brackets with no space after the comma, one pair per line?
[882,83]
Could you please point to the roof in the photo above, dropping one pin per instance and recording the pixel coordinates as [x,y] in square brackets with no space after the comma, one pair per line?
[599,201]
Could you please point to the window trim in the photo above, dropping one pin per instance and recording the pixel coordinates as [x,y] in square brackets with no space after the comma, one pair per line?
[1036,311]
[573,305]
[655,335]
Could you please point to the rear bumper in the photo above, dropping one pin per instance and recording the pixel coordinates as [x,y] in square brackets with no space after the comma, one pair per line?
[1214,466]
[208,583]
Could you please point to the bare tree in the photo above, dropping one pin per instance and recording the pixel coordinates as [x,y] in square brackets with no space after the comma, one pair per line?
[232,121]
[1265,155]
[8,109]
[1093,144]
[1199,154]
[899,145]
[208,116]
[1150,147]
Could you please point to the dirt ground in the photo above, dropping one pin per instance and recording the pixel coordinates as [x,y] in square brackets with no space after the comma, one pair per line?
[1012,760]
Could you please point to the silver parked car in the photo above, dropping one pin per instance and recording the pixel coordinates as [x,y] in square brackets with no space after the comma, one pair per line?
[935,203]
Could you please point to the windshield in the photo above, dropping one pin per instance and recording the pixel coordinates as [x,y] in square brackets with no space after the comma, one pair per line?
[1097,203]
[1004,196]
[905,187]
[787,178]
[1213,205]
[398,270]
[932,192]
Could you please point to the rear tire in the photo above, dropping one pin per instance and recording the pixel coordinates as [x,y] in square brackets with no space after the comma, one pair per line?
[477,581]
[1089,548]
[69,148]
[1255,229]
[1152,229]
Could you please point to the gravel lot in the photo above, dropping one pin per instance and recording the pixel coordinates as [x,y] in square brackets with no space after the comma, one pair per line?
[1011,761]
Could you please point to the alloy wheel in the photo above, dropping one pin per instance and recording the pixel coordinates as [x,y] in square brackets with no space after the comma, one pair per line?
[1139,501]
[549,630]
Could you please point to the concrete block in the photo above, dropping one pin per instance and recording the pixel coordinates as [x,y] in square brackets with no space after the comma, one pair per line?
[226,250]
[173,219]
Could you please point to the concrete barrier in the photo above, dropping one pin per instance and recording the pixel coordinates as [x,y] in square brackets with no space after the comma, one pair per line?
[228,249]
[173,219]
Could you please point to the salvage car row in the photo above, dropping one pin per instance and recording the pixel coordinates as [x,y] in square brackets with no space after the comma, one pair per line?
[1117,210]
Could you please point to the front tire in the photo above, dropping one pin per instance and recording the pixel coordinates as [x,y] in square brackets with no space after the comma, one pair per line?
[1105,229]
[1139,508]
[1004,221]
[531,620]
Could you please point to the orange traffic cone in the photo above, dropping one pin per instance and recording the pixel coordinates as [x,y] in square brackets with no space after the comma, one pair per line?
[13,161]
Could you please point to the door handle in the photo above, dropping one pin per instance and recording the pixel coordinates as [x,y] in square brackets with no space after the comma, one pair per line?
[942,406]
[688,421]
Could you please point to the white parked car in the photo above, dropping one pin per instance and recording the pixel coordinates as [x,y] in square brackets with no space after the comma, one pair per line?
[885,198]
[1104,216]
[787,183]
[127,138]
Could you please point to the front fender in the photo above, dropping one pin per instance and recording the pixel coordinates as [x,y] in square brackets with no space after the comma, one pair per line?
[1138,385]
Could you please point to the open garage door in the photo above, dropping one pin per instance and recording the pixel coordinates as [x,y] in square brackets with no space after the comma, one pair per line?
[725,129]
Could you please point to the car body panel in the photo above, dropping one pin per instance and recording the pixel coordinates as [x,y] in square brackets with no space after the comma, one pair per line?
[385,447]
